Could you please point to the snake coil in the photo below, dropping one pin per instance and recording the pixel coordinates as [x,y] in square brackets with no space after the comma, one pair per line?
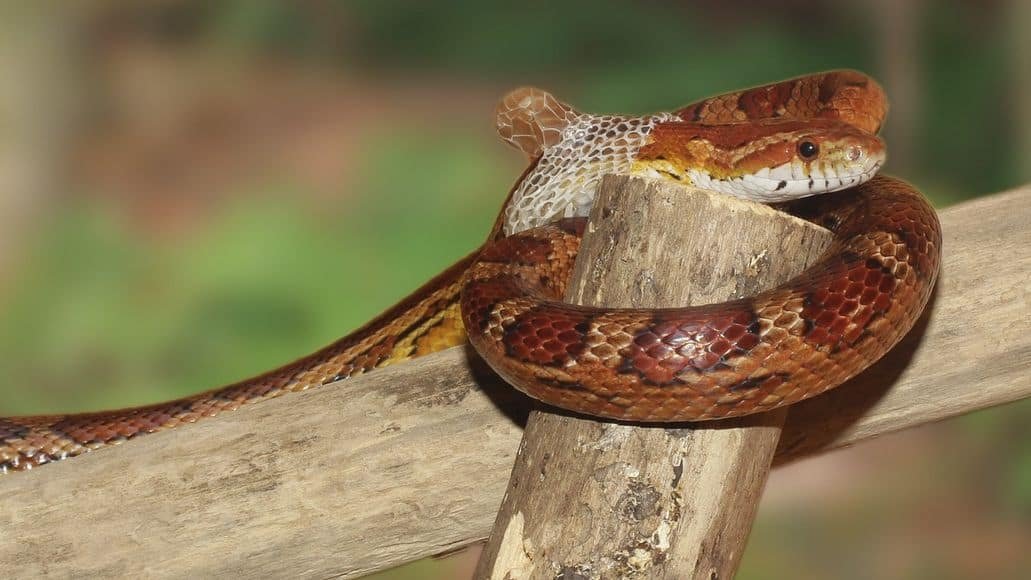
[777,142]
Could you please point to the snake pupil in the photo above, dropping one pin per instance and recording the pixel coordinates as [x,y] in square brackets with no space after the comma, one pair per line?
[808,149]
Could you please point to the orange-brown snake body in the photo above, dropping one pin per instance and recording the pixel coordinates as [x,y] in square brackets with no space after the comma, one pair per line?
[777,142]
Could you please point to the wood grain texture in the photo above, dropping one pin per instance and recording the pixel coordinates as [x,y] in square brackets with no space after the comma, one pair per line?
[412,460]
[334,482]
[599,499]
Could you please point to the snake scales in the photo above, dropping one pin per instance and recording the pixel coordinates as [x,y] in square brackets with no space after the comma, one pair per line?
[777,142]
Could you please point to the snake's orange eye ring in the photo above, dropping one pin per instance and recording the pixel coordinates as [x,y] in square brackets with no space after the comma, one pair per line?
[808,149]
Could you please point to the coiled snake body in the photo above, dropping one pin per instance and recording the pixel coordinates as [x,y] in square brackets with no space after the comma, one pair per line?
[778,142]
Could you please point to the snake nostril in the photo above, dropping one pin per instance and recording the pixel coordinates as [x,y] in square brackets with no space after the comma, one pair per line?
[854,153]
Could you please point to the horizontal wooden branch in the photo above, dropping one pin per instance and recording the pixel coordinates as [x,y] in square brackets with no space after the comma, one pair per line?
[413,460]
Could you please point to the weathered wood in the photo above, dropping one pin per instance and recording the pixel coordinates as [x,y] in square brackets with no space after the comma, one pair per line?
[412,460]
[609,500]
[315,486]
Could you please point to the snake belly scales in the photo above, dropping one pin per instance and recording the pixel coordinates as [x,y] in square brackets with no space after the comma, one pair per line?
[775,143]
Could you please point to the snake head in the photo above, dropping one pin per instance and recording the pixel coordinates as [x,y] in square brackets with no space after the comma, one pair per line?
[770,161]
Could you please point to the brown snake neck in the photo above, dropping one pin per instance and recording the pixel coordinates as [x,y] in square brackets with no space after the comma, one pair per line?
[431,319]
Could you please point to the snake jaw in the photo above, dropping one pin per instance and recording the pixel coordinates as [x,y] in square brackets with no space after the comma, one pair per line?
[839,167]
[768,162]
[798,181]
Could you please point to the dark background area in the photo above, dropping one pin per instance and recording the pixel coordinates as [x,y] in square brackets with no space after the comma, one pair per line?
[192,192]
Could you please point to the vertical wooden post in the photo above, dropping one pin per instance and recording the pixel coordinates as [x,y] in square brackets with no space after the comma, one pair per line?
[598,499]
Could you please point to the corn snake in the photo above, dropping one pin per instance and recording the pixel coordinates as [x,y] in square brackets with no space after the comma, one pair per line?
[776,142]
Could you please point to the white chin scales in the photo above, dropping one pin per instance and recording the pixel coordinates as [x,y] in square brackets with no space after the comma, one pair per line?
[780,184]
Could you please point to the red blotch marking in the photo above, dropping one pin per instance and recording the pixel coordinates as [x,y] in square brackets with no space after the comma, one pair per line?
[544,338]
[842,310]
[668,347]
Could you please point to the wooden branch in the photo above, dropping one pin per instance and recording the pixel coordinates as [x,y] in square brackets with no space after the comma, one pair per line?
[610,500]
[412,460]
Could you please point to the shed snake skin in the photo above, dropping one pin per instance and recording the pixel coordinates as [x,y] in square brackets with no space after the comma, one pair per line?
[775,143]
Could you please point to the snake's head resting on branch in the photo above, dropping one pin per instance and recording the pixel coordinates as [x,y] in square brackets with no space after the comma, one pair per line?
[766,162]
[779,142]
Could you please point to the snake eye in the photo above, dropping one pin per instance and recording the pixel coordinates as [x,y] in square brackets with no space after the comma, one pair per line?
[808,149]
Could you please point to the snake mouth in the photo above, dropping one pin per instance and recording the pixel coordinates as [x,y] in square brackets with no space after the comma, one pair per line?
[769,185]
[768,189]
[765,162]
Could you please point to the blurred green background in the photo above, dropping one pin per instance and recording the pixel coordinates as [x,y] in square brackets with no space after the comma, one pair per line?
[192,192]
